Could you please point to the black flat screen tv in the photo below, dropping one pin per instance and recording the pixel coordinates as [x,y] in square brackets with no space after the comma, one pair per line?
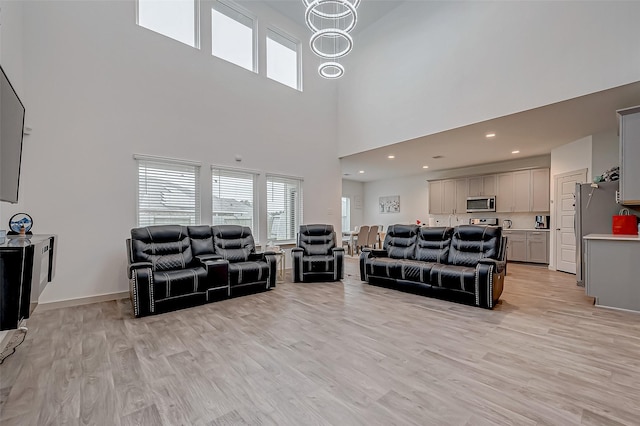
[11,132]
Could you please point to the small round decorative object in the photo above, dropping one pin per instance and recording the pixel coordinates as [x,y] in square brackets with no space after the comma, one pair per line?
[20,220]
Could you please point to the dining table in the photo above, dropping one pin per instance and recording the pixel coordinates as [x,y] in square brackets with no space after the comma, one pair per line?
[352,235]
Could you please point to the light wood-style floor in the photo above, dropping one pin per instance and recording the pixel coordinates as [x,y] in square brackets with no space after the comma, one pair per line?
[334,354]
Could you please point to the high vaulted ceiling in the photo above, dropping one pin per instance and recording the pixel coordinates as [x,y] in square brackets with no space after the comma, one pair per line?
[532,133]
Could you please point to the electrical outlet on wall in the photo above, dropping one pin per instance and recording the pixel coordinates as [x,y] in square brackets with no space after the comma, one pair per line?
[330,212]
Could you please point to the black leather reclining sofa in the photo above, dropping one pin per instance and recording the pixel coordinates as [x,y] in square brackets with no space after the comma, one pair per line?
[465,263]
[172,266]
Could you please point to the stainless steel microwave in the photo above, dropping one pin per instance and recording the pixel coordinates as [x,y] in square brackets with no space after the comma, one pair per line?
[481,204]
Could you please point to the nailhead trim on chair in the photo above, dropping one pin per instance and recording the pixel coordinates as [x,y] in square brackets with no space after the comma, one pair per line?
[136,308]
[477,289]
[152,304]
[490,288]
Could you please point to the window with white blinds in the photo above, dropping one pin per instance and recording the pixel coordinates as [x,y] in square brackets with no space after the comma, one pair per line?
[234,198]
[168,192]
[284,207]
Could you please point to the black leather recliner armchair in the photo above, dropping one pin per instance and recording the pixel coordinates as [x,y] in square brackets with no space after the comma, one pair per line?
[317,258]
[172,266]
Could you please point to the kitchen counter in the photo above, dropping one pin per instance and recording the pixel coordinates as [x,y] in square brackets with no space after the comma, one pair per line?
[612,237]
[525,229]
[612,270]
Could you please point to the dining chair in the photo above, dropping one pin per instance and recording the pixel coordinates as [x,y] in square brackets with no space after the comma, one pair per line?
[346,241]
[380,236]
[373,236]
[362,238]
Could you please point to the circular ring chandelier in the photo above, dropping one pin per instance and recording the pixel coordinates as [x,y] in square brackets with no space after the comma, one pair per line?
[313,9]
[331,33]
[331,70]
[331,21]
[342,14]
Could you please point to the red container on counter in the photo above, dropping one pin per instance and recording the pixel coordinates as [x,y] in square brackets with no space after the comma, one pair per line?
[625,225]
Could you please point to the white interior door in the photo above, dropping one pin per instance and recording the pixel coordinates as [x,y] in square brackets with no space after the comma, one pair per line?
[565,212]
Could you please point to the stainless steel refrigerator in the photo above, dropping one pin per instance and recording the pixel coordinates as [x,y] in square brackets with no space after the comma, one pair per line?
[595,207]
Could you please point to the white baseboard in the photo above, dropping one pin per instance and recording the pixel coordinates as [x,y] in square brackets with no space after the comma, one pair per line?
[613,308]
[82,301]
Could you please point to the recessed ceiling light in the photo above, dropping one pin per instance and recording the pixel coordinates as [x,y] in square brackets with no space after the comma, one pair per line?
[515,152]
[425,167]
[490,135]
[361,171]
[391,157]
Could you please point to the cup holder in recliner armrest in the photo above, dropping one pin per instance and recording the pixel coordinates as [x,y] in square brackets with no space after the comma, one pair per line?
[217,272]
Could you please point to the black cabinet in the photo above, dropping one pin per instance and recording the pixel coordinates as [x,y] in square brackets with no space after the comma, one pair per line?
[27,264]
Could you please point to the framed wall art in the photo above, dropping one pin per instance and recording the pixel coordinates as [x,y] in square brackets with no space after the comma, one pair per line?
[389,204]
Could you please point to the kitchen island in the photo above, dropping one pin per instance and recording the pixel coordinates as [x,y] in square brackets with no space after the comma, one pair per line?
[612,270]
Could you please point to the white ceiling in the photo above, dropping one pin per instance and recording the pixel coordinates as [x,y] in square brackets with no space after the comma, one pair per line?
[534,132]
[369,11]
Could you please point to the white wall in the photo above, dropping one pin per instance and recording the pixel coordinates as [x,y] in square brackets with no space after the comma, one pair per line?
[428,67]
[11,17]
[99,89]
[355,192]
[571,157]
[11,20]
[606,152]
[414,200]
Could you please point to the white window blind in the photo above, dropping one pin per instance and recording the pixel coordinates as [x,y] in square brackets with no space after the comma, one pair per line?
[234,198]
[284,207]
[232,34]
[177,19]
[282,59]
[168,193]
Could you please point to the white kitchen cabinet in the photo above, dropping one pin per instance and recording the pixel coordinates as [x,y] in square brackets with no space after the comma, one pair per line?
[527,246]
[540,190]
[519,191]
[504,194]
[489,185]
[522,191]
[537,247]
[474,188]
[612,270]
[516,245]
[629,130]
[461,196]
[435,197]
[448,196]
[481,186]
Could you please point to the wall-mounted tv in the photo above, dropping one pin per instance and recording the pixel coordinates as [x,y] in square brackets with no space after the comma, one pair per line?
[11,131]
